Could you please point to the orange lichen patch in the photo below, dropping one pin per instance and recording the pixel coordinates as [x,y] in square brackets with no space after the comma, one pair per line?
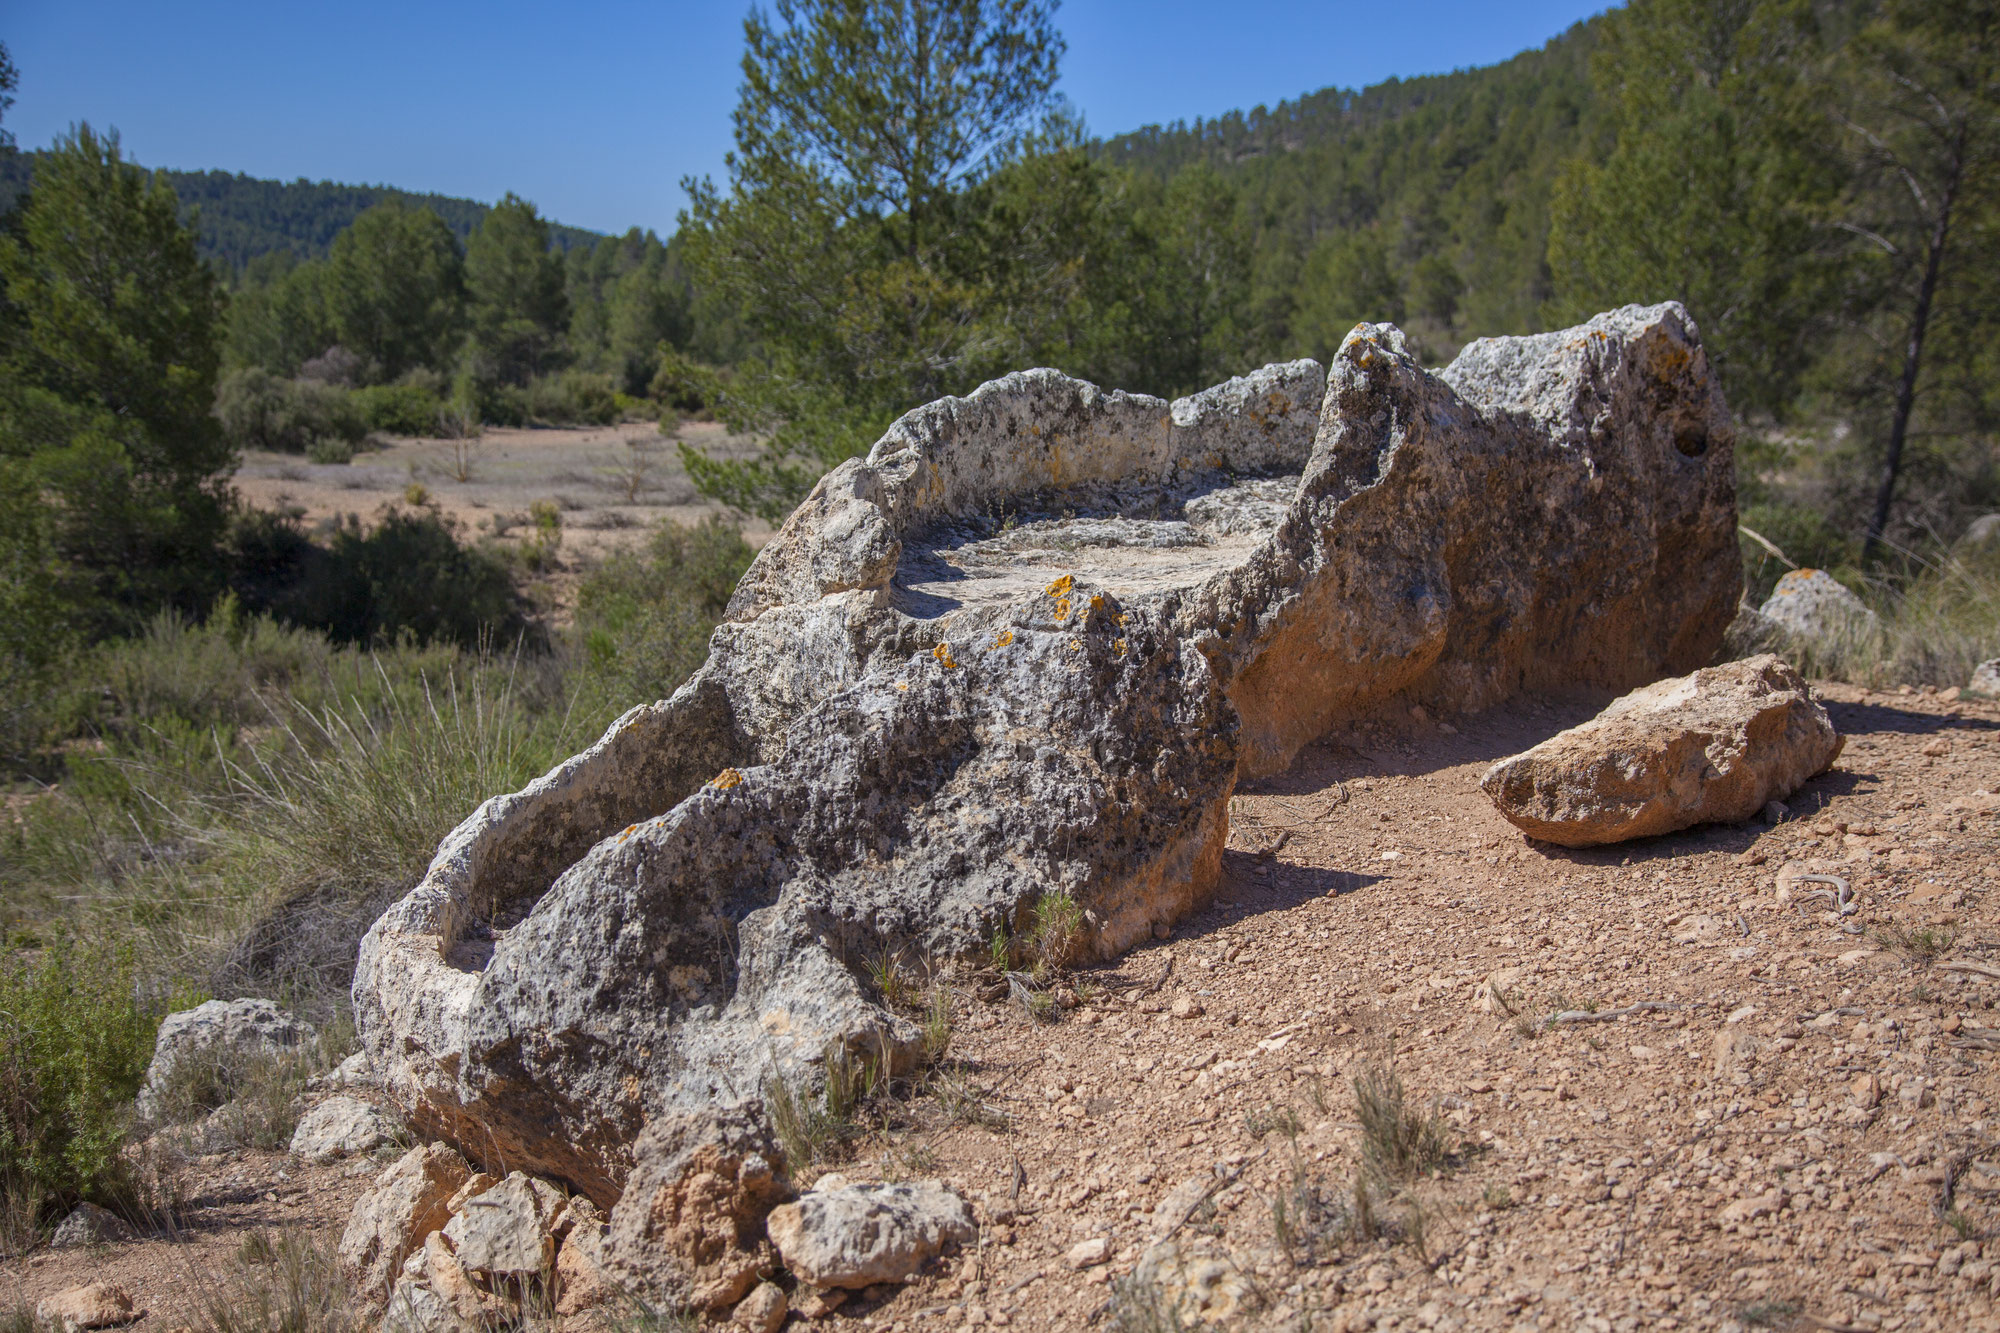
[1061,587]
[1118,646]
[1076,645]
[1003,638]
[1062,609]
[726,779]
[1097,601]
[943,654]
[903,685]
[1124,617]
[630,829]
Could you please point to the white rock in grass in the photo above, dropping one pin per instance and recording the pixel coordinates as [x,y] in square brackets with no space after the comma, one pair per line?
[340,1127]
[860,1235]
[1985,680]
[99,1305]
[87,1224]
[237,1027]
[1818,610]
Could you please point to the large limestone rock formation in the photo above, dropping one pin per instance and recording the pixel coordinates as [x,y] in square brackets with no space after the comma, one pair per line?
[1027,646]
[1711,747]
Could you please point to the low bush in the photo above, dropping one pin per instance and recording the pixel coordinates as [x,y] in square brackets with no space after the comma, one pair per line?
[258,410]
[408,576]
[573,398]
[644,617]
[74,1045]
[400,409]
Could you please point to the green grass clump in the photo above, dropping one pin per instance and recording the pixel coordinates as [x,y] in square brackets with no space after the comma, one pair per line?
[1057,936]
[74,1045]
[1400,1140]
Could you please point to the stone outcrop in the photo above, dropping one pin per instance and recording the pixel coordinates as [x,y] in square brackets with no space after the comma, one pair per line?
[1027,646]
[510,1230]
[1816,611]
[1712,747]
[858,1235]
[1985,681]
[218,1028]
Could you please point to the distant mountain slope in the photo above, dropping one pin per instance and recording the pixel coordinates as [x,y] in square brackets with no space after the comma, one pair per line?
[240,217]
[1449,174]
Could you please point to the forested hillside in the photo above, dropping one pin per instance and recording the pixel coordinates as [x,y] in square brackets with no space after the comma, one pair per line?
[1422,200]
[238,218]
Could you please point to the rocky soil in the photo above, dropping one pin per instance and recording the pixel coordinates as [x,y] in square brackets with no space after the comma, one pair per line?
[1779,1147]
[1779,1144]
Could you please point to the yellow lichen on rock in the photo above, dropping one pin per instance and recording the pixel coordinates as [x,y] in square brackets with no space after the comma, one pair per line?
[1003,638]
[726,779]
[1062,609]
[1061,587]
[943,654]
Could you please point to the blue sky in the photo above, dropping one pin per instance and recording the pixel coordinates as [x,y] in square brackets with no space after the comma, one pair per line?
[596,109]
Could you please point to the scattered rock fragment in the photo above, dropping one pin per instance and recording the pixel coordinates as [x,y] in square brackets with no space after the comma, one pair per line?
[510,1230]
[340,1127]
[87,1224]
[1985,682]
[1188,1289]
[1088,1253]
[1712,747]
[763,1310]
[98,1305]
[389,1223]
[860,1235]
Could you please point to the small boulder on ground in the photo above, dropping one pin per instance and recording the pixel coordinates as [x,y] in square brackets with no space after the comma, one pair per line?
[340,1127]
[510,1230]
[689,1228]
[408,1202]
[859,1235]
[237,1027]
[99,1305]
[87,1224]
[1712,747]
[1818,610]
[1985,680]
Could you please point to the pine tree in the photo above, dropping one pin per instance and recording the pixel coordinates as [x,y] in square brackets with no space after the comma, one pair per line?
[108,359]
[518,307]
[394,287]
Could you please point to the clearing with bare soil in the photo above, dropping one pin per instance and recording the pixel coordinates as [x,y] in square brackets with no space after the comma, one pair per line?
[1792,1123]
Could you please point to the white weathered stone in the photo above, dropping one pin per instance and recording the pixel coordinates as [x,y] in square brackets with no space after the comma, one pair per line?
[389,1222]
[1191,1289]
[234,1027]
[1027,646]
[1713,747]
[98,1305]
[1985,680]
[859,1235]
[87,1224]
[1817,611]
[340,1127]
[509,1230]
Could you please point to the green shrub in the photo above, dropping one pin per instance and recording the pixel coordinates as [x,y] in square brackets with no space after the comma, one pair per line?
[410,575]
[74,1045]
[400,409]
[644,617]
[573,398]
[258,410]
